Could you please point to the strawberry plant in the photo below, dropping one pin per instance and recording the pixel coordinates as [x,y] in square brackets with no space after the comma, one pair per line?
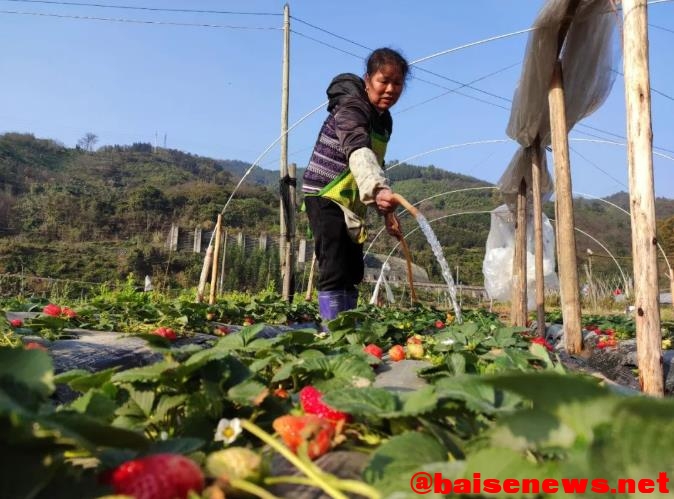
[494,401]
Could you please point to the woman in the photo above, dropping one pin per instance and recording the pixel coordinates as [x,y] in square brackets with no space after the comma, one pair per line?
[345,175]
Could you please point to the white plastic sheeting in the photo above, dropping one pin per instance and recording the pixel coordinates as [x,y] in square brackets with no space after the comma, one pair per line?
[589,53]
[498,262]
[587,57]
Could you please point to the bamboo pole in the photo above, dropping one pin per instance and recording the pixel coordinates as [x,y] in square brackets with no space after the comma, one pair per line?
[221,281]
[566,238]
[536,176]
[216,261]
[310,280]
[289,275]
[285,88]
[518,300]
[642,197]
[208,259]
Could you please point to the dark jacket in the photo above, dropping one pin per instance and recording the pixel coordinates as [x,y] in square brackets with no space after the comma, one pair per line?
[350,125]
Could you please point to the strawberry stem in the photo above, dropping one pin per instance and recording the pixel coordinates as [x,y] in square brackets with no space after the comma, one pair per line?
[309,469]
[251,488]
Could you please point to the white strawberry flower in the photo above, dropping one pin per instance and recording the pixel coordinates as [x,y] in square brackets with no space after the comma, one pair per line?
[228,430]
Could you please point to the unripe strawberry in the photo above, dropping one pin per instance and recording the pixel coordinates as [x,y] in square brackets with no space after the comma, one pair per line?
[234,463]
[415,351]
[396,353]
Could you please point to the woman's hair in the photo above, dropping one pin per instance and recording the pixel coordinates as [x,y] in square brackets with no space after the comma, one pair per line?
[385,56]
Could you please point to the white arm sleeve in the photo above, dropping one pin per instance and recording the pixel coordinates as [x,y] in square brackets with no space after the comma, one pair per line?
[367,172]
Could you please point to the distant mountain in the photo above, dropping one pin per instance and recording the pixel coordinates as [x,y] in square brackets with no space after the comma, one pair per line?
[49,192]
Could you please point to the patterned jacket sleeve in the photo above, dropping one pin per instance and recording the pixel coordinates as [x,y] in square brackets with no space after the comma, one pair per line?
[352,124]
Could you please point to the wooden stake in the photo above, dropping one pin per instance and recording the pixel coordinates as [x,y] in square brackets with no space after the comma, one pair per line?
[671,285]
[289,260]
[216,256]
[518,300]
[285,86]
[536,176]
[566,238]
[642,197]
[310,280]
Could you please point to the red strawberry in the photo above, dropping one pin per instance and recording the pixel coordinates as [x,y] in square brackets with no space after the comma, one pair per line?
[166,332]
[16,323]
[68,312]
[396,353]
[316,432]
[221,331]
[33,345]
[248,321]
[51,309]
[414,340]
[373,349]
[311,401]
[281,393]
[159,476]
[543,342]
[439,324]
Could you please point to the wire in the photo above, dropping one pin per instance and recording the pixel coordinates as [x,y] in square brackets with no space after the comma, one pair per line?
[469,85]
[153,9]
[136,21]
[652,89]
[331,33]
[303,35]
[595,165]
[471,44]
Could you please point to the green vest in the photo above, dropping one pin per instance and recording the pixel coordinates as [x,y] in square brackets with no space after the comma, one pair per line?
[343,190]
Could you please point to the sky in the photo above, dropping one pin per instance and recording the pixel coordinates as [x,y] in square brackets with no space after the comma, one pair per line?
[199,82]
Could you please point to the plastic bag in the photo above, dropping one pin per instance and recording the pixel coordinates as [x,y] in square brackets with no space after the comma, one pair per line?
[497,266]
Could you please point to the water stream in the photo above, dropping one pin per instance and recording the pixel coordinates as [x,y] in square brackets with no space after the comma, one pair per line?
[444,266]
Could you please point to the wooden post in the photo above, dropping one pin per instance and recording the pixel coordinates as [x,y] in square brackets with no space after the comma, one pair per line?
[536,176]
[173,238]
[642,197]
[310,281]
[518,300]
[208,259]
[196,244]
[221,282]
[285,88]
[566,237]
[590,280]
[289,276]
[216,261]
[671,285]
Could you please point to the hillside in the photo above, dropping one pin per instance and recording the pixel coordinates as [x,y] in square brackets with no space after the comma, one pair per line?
[128,196]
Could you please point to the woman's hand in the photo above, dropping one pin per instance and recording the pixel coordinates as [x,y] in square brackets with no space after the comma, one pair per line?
[385,201]
[393,225]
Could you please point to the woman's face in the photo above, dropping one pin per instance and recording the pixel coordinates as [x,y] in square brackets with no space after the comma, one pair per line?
[384,86]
